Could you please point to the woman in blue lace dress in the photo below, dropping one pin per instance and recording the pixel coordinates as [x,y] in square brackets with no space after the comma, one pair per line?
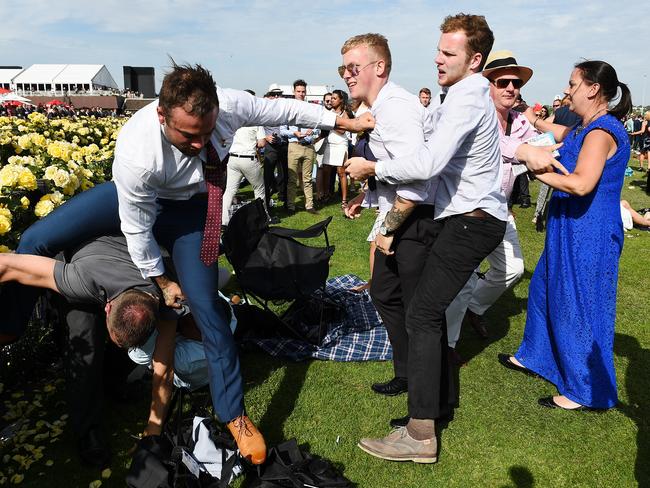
[569,332]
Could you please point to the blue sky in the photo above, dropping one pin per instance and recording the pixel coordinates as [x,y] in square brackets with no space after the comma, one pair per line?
[250,44]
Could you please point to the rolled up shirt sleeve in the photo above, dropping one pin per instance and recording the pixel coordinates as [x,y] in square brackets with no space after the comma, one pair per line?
[138,210]
[457,122]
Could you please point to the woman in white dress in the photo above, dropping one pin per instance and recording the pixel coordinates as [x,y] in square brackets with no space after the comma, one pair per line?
[336,147]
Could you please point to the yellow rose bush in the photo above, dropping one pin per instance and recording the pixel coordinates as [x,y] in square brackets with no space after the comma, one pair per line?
[45,162]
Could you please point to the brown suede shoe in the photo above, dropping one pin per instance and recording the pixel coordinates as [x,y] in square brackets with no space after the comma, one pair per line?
[400,446]
[249,440]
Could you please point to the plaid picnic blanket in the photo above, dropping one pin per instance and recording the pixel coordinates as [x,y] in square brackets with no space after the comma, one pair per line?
[354,334]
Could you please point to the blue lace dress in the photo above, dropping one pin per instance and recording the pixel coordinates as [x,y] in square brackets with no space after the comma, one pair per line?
[569,334]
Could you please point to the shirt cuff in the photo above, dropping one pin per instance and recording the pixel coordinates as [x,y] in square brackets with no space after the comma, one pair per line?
[154,268]
[379,171]
[328,120]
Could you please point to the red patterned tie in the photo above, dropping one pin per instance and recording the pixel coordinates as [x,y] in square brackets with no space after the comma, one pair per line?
[214,172]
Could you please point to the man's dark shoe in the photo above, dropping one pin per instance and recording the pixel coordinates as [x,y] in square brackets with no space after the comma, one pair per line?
[274,220]
[312,211]
[478,323]
[525,203]
[396,386]
[93,449]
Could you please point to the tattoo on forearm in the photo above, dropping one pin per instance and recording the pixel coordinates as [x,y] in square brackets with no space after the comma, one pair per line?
[396,217]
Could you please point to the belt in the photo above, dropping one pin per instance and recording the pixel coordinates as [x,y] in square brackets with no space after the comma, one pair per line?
[245,156]
[477,213]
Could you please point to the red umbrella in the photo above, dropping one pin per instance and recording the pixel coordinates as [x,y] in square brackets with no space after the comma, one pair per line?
[4,90]
[54,102]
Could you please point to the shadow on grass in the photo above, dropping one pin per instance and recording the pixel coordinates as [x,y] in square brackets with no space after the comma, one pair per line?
[498,319]
[638,406]
[258,367]
[521,478]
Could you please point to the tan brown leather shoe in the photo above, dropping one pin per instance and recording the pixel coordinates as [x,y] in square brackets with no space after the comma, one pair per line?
[400,446]
[249,440]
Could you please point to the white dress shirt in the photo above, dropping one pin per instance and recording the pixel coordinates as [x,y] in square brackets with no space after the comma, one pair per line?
[147,166]
[244,143]
[463,151]
[401,127]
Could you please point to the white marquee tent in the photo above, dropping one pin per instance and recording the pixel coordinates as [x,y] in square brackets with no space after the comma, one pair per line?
[64,78]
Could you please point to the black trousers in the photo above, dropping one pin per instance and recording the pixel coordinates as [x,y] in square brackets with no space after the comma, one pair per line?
[85,362]
[275,158]
[395,278]
[460,245]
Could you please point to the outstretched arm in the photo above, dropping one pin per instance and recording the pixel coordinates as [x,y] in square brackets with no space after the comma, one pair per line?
[28,269]
[163,376]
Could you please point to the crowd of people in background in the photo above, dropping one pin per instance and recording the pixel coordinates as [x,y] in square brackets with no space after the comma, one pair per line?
[55,111]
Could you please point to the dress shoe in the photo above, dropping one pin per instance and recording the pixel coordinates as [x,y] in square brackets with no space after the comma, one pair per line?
[478,323]
[249,440]
[506,360]
[549,402]
[312,211]
[93,449]
[274,220]
[400,446]
[524,204]
[396,386]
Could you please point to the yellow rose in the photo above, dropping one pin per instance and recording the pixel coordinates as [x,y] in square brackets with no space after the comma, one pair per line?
[54,150]
[24,201]
[25,141]
[27,180]
[38,140]
[50,171]
[4,249]
[5,212]
[43,207]
[8,176]
[56,197]
[61,178]
[5,224]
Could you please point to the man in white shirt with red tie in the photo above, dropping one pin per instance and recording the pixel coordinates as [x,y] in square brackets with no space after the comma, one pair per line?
[166,157]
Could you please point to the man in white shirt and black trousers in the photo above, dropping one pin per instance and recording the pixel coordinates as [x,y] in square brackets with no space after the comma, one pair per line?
[166,157]
[470,221]
[401,125]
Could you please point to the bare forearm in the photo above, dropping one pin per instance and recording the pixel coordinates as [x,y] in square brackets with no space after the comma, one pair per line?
[571,184]
[398,214]
[559,131]
[161,393]
[28,269]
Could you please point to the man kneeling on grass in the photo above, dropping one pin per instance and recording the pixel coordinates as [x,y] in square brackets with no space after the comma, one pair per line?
[100,275]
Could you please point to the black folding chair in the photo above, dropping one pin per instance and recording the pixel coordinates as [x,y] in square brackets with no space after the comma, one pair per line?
[270,264]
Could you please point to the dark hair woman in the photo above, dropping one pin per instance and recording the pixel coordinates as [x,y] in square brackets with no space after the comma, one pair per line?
[569,332]
[336,146]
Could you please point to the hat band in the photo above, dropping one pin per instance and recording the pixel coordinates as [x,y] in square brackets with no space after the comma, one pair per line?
[498,63]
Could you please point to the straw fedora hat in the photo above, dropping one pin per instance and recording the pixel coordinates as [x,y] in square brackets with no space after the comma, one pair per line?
[505,59]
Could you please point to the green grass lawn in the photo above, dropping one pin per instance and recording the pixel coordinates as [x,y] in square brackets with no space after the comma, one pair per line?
[500,437]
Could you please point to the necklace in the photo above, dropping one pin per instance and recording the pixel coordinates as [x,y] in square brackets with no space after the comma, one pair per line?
[581,127]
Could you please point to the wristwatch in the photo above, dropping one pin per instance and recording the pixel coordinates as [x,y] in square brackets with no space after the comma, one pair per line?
[384,231]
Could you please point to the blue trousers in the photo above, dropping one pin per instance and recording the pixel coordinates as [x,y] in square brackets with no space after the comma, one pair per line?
[178,228]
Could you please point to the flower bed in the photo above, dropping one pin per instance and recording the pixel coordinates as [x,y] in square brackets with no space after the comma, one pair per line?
[45,162]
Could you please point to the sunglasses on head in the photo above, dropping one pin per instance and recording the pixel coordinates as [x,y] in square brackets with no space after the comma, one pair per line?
[504,82]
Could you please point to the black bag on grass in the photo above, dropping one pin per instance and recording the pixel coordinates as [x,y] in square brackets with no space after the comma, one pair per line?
[289,466]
